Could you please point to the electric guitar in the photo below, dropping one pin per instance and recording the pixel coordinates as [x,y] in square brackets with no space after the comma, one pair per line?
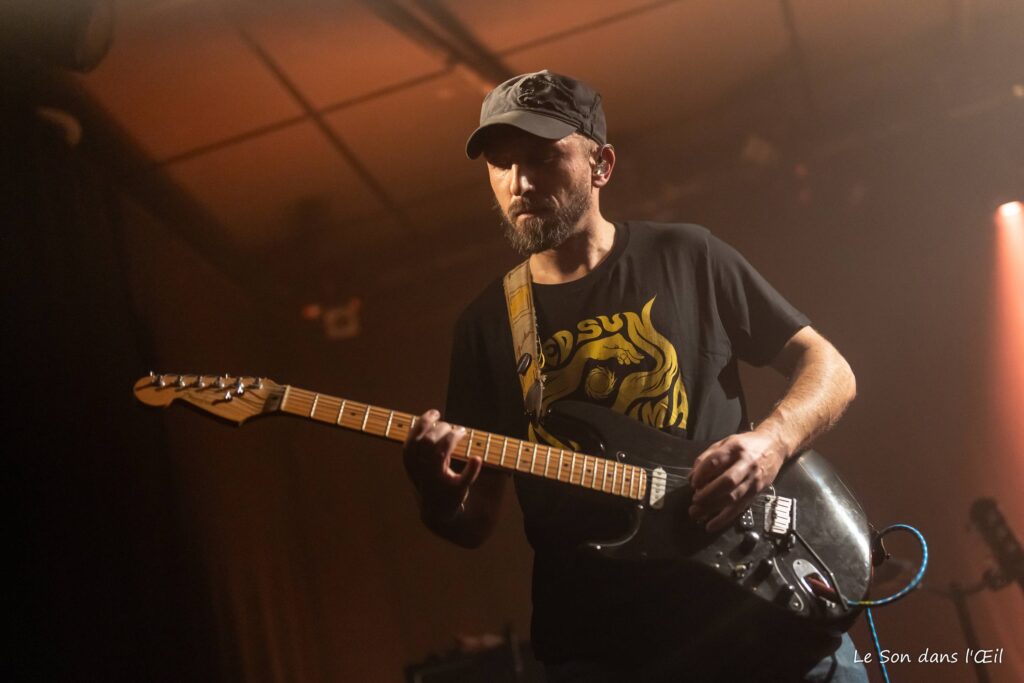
[802,549]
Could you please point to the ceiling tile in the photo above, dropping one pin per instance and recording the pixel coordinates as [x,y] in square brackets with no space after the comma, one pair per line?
[836,37]
[257,188]
[657,66]
[178,77]
[338,51]
[503,25]
[413,141]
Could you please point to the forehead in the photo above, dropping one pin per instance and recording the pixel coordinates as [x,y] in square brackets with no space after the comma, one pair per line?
[509,139]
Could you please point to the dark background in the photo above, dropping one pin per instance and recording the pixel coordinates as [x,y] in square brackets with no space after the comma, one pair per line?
[859,175]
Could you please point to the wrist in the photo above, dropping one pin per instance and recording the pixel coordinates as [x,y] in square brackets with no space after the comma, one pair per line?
[774,432]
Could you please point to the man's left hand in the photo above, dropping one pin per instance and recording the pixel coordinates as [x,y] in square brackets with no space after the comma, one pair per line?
[728,475]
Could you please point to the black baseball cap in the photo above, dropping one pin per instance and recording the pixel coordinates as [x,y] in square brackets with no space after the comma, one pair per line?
[543,103]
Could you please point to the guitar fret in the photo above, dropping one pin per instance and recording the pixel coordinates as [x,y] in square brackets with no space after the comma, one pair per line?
[616,475]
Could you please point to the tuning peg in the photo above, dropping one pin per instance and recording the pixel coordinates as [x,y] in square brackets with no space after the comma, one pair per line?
[228,395]
[258,384]
[239,387]
[200,382]
[222,381]
[180,383]
[158,380]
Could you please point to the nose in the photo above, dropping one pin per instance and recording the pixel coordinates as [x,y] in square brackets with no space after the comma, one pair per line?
[519,181]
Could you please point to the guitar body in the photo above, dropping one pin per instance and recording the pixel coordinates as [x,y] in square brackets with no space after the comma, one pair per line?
[802,548]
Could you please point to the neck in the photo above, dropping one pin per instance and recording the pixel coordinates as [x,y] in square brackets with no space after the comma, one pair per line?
[578,255]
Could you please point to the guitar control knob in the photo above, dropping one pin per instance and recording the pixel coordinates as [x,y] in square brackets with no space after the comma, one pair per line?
[788,596]
[750,541]
[786,592]
[764,568]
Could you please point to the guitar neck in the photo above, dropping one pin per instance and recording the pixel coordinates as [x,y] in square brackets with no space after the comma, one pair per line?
[497,451]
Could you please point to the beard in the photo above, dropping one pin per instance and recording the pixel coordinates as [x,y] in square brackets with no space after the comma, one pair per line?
[540,233]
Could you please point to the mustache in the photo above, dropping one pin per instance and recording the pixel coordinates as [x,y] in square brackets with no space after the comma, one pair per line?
[527,205]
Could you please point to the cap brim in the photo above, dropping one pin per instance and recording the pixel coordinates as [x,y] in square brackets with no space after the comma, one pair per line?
[537,124]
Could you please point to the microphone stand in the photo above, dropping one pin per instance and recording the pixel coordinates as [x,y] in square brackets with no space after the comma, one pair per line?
[957,593]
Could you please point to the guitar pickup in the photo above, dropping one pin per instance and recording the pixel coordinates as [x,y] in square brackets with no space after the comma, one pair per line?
[779,515]
[659,484]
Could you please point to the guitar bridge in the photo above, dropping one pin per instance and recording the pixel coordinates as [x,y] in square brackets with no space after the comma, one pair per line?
[779,515]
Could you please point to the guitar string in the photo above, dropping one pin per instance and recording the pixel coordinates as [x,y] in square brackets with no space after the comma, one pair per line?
[370,411]
[380,413]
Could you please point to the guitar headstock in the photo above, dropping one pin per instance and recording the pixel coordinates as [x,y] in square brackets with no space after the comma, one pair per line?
[231,398]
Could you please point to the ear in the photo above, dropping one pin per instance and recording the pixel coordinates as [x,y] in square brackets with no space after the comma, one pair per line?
[601,172]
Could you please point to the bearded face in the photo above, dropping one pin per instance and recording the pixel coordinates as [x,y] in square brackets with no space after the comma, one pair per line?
[532,224]
[542,188]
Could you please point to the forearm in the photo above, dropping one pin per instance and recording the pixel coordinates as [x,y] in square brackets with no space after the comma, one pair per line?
[821,387]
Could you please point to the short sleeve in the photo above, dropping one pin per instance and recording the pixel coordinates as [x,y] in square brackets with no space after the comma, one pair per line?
[757,319]
[468,401]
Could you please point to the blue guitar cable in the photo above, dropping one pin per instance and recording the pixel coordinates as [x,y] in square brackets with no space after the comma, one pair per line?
[895,596]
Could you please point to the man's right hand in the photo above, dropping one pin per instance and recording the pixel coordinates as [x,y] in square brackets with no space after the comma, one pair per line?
[427,457]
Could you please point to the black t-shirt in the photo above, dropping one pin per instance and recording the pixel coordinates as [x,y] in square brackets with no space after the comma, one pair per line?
[655,332]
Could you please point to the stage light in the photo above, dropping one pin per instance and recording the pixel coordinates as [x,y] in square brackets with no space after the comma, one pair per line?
[1010,210]
[1004,462]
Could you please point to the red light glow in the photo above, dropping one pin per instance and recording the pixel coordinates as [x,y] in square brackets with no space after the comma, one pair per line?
[1009,325]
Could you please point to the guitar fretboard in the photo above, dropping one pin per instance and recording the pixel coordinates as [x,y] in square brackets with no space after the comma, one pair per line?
[501,452]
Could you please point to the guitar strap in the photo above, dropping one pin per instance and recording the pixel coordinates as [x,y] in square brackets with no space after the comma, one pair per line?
[522,319]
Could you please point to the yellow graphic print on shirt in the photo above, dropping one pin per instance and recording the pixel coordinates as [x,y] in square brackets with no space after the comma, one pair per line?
[619,361]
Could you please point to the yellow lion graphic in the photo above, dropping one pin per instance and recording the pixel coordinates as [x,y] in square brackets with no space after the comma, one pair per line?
[619,361]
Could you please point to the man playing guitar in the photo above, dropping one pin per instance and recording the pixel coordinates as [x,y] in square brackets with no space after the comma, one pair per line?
[649,320]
